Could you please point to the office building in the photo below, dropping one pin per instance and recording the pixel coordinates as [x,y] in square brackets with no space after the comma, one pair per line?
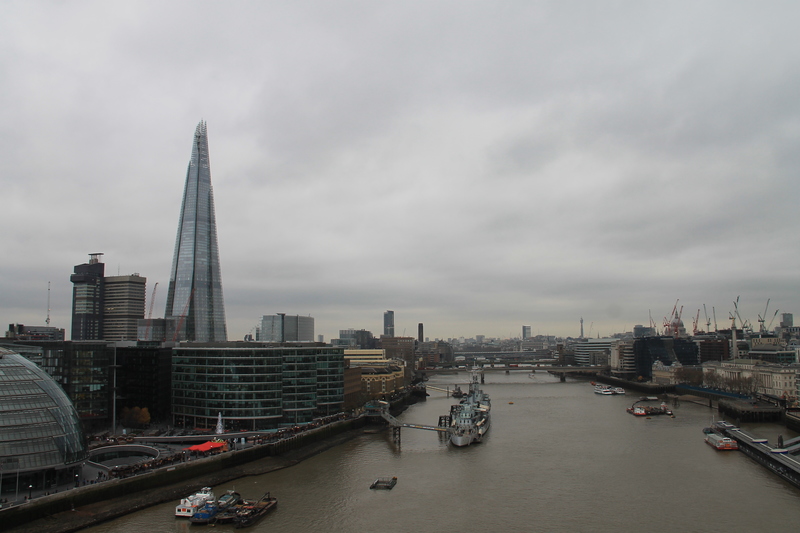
[123,306]
[105,308]
[38,333]
[255,386]
[388,324]
[195,309]
[283,328]
[356,338]
[84,370]
[526,332]
[87,299]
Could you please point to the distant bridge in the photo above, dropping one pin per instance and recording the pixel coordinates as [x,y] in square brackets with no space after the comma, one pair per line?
[533,367]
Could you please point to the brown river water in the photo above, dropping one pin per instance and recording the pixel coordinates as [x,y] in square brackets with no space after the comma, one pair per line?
[558,458]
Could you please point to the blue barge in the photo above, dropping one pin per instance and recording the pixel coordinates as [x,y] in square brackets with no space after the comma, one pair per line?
[780,460]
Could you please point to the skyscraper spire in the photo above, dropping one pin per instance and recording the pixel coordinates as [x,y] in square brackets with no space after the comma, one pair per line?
[195,309]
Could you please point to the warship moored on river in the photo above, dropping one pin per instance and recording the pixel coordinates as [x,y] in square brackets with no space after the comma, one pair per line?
[471,417]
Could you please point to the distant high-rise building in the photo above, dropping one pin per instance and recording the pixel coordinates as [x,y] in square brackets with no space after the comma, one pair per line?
[282,328]
[87,300]
[123,306]
[388,323]
[105,308]
[526,332]
[195,310]
[420,331]
[356,338]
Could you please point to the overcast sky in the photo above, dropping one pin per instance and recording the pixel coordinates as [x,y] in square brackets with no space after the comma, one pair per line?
[474,166]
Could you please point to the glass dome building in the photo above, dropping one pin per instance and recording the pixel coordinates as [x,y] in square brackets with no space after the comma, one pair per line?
[41,439]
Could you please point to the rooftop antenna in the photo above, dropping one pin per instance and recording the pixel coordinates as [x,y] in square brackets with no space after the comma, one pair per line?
[48,304]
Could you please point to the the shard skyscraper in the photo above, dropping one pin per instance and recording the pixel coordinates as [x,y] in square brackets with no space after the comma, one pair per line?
[195,310]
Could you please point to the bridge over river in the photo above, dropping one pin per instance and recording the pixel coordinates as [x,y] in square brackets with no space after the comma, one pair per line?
[528,368]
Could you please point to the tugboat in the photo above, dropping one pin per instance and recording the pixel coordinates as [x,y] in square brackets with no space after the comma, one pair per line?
[250,514]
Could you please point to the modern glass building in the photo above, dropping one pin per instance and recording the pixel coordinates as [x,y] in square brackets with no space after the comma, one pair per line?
[388,323]
[255,386]
[283,328]
[41,441]
[195,309]
[87,300]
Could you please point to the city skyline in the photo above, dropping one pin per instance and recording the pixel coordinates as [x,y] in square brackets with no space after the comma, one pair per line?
[472,168]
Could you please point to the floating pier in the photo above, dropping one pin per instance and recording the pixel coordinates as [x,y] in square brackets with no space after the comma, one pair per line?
[777,459]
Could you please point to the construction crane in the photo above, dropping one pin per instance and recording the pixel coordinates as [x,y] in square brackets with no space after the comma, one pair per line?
[773,319]
[708,322]
[762,327]
[744,323]
[694,323]
[150,314]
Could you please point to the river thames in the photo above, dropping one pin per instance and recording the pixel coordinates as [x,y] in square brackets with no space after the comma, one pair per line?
[558,458]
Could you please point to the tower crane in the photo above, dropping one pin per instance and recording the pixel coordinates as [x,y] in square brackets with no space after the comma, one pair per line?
[744,323]
[694,322]
[762,328]
[773,319]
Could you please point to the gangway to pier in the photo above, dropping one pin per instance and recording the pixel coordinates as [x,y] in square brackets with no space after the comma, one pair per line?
[382,409]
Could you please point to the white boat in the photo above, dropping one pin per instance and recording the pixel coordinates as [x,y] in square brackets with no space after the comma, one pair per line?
[470,418]
[719,442]
[192,503]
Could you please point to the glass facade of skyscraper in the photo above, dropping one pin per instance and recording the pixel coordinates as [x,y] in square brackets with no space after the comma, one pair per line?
[195,310]
[256,387]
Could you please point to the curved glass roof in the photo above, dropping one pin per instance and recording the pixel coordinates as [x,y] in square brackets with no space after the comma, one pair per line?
[39,427]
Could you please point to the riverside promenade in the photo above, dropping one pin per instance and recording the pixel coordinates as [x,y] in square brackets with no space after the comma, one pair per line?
[85,506]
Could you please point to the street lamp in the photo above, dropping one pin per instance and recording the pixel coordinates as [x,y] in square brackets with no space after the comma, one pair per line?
[76,480]
[30,491]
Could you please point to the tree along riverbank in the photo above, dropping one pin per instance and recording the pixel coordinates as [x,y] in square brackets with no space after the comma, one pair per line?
[86,506]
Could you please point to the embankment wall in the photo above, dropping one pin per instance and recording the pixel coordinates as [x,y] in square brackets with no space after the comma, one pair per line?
[56,513]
